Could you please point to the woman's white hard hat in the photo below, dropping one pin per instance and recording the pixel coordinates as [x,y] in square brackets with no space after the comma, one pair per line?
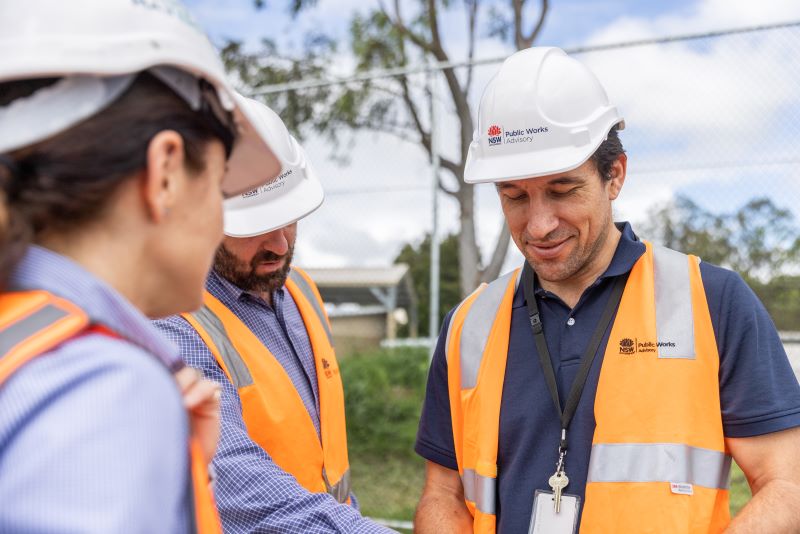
[97,47]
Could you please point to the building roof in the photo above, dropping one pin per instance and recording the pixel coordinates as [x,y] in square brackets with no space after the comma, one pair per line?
[358,276]
[389,286]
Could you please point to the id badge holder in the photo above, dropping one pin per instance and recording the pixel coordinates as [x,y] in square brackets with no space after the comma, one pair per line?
[545,520]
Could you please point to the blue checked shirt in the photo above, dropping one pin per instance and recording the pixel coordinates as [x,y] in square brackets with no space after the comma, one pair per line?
[253,493]
[93,434]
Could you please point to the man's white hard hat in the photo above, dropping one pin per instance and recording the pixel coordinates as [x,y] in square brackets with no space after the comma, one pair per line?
[543,113]
[97,47]
[279,202]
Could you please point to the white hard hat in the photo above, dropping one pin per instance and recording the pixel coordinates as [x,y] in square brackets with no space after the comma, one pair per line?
[543,113]
[97,47]
[292,195]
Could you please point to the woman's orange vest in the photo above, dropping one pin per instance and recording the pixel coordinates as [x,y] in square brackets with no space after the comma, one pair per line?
[35,322]
[272,409]
[658,462]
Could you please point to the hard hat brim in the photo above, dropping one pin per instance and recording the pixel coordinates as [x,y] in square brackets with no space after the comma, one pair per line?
[532,164]
[304,197]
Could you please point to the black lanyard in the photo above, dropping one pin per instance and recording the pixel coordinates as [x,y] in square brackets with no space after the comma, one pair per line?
[576,390]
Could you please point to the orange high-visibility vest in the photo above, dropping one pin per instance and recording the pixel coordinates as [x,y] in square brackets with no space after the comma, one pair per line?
[35,322]
[658,462]
[273,412]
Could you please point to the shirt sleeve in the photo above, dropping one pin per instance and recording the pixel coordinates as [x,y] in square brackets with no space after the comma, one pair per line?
[253,493]
[93,439]
[759,392]
[435,434]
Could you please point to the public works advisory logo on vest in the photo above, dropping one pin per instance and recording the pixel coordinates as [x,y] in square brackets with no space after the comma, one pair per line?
[495,135]
[627,346]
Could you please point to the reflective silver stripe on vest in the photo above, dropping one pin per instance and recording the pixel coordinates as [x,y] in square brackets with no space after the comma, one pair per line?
[674,317]
[477,327]
[449,339]
[659,462]
[481,490]
[340,490]
[240,374]
[19,331]
[308,293]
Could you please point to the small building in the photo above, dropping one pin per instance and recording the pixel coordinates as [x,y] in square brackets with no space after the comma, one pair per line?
[366,304]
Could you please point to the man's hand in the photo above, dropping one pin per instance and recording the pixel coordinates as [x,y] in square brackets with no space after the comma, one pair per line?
[201,398]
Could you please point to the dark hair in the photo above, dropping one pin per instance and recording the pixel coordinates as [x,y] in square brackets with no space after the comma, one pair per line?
[607,153]
[64,181]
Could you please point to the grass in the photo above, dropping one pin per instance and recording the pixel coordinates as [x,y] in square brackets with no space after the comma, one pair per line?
[388,488]
[383,396]
[740,490]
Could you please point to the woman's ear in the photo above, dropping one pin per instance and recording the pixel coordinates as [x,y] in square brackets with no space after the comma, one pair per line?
[164,172]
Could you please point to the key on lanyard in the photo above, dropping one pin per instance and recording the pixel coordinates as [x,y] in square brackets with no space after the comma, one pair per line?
[558,482]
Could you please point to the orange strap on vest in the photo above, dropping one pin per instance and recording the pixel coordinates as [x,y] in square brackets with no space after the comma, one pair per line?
[35,322]
[272,409]
[648,452]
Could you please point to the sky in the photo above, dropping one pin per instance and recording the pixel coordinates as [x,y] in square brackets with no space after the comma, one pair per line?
[715,119]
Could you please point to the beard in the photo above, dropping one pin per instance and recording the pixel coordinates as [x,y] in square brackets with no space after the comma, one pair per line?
[243,275]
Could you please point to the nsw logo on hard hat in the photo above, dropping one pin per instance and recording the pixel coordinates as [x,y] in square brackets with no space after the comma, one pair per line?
[495,135]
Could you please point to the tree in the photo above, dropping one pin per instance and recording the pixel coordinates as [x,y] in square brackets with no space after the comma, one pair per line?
[419,260]
[759,241]
[385,38]
[683,225]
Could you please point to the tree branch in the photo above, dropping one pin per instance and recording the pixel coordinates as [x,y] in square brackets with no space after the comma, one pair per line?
[425,136]
[451,192]
[472,6]
[521,40]
[459,96]
[433,18]
[492,270]
[397,22]
[452,166]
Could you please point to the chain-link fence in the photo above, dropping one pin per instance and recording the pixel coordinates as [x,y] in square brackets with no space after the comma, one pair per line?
[713,141]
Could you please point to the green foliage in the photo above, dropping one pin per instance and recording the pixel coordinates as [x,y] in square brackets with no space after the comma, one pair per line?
[758,240]
[268,67]
[295,6]
[388,487]
[766,238]
[781,296]
[419,260]
[383,397]
[685,226]
[383,391]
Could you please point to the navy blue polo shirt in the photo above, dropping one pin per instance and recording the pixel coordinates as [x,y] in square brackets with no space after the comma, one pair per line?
[758,389]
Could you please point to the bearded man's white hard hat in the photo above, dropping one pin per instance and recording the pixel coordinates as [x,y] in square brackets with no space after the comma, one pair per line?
[279,202]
